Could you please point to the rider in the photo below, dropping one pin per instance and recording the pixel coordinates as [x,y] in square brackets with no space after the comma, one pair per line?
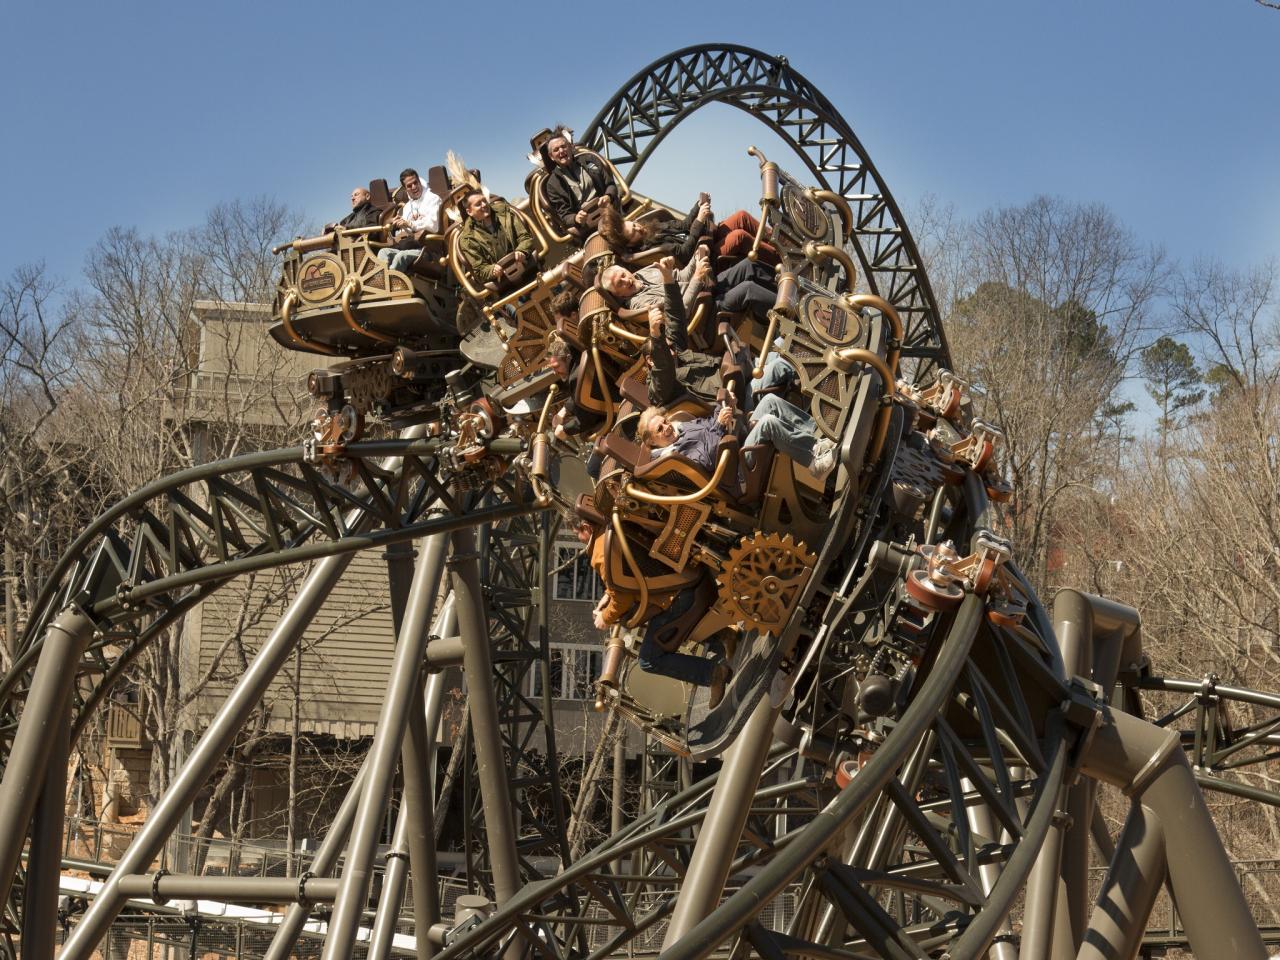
[655,656]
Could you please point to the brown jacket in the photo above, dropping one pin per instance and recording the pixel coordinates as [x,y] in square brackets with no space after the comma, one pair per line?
[622,602]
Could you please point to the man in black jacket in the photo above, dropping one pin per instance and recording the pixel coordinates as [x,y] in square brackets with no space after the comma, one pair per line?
[574,182]
[363,212]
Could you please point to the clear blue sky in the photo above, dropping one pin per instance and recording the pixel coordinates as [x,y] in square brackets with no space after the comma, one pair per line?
[146,113]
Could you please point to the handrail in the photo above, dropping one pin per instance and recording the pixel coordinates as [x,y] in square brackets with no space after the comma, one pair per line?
[813,251]
[540,452]
[458,271]
[535,201]
[845,358]
[859,300]
[769,334]
[768,197]
[643,495]
[837,201]
[287,310]
[625,334]
[700,311]
[353,288]
[304,244]
[605,390]
[635,570]
[358,231]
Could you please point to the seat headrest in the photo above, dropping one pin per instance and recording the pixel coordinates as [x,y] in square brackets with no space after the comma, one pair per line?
[585,506]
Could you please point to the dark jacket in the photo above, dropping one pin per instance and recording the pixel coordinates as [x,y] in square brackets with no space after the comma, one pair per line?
[483,248]
[677,367]
[686,371]
[681,237]
[364,215]
[559,193]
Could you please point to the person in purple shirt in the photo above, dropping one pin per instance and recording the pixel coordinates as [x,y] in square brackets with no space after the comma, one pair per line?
[775,421]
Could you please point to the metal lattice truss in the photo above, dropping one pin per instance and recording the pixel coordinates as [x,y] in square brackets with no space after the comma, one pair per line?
[653,102]
[138,568]
[948,822]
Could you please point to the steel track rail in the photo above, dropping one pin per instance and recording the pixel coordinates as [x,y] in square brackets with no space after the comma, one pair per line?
[645,110]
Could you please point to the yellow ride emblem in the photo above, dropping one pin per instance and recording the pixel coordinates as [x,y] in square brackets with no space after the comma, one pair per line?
[321,277]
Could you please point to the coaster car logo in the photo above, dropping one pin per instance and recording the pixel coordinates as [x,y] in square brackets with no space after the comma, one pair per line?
[320,278]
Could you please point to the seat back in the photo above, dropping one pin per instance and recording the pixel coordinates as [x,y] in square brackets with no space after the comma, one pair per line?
[585,505]
[380,195]
[438,182]
[658,578]
[633,385]
[624,449]
[756,477]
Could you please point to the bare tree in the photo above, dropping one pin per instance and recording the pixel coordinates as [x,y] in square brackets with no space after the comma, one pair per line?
[165,390]
[39,475]
[1060,300]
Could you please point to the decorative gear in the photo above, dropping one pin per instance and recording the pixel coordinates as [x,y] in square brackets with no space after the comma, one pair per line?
[761,580]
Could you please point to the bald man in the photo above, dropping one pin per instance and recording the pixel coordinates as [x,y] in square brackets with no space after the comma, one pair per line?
[363,212]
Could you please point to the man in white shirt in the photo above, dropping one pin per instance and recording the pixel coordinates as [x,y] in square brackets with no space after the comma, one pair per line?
[421,215]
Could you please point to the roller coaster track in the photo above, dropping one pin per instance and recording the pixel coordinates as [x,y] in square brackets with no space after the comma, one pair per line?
[651,104]
[904,834]
[159,552]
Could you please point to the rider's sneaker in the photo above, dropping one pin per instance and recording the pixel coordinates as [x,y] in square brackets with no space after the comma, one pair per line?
[824,459]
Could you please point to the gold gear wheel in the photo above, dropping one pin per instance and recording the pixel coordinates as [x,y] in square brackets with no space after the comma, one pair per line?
[762,577]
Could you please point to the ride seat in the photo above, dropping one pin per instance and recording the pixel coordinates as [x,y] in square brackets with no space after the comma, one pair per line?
[488,292]
[625,450]
[658,577]
[755,479]
[585,506]
[380,195]
[438,182]
[633,385]
[677,470]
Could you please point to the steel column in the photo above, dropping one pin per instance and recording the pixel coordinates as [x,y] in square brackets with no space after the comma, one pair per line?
[396,706]
[417,816]
[619,774]
[295,918]
[1148,764]
[40,903]
[1129,891]
[500,831]
[209,751]
[721,831]
[983,822]
[1092,633]
[47,701]
[1046,932]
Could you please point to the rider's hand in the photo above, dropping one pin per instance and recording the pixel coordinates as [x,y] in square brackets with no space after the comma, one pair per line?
[598,620]
[580,217]
[667,267]
[725,418]
[656,318]
[496,273]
